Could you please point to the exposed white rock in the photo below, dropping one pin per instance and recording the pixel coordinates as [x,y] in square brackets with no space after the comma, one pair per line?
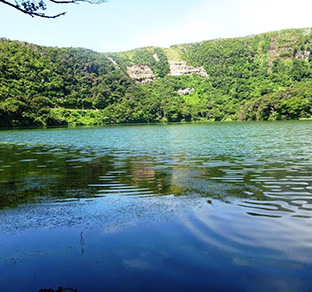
[113,62]
[141,73]
[181,68]
[185,91]
[304,55]
[156,57]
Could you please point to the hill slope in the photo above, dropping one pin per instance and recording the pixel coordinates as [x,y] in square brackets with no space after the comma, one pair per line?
[259,77]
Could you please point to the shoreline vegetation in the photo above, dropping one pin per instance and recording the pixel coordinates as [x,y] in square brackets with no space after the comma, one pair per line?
[81,126]
[255,78]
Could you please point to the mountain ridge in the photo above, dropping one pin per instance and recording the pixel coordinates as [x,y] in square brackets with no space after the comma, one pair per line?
[258,77]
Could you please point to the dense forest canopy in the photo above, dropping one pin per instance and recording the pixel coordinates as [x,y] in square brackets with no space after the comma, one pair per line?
[261,77]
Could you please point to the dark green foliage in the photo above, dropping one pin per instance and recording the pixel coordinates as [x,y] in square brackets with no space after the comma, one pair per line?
[49,78]
[161,67]
[292,103]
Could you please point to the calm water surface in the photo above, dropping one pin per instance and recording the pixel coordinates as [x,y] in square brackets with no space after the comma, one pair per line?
[195,207]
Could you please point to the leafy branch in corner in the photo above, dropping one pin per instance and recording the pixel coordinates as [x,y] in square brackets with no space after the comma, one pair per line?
[37,8]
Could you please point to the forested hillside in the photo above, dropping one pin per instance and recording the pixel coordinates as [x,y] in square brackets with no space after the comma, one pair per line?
[262,77]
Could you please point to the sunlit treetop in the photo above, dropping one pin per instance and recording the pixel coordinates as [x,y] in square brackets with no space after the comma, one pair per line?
[37,8]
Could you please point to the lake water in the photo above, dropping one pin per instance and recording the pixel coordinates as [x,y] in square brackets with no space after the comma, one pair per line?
[189,207]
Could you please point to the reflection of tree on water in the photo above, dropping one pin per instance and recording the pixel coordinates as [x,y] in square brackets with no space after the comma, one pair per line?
[29,173]
[40,172]
[267,187]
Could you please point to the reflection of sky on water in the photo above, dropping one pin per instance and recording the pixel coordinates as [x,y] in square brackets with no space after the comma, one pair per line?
[142,237]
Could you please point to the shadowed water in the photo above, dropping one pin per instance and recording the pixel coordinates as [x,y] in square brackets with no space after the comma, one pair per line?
[220,206]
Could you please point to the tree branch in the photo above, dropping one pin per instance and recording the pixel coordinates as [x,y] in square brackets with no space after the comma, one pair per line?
[15,6]
[31,8]
[32,14]
[75,1]
[63,2]
[46,16]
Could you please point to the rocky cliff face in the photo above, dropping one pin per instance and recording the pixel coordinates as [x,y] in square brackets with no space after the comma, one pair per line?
[146,65]
[141,74]
[181,68]
[185,91]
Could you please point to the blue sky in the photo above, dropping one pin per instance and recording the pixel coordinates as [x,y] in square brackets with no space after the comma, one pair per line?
[127,24]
